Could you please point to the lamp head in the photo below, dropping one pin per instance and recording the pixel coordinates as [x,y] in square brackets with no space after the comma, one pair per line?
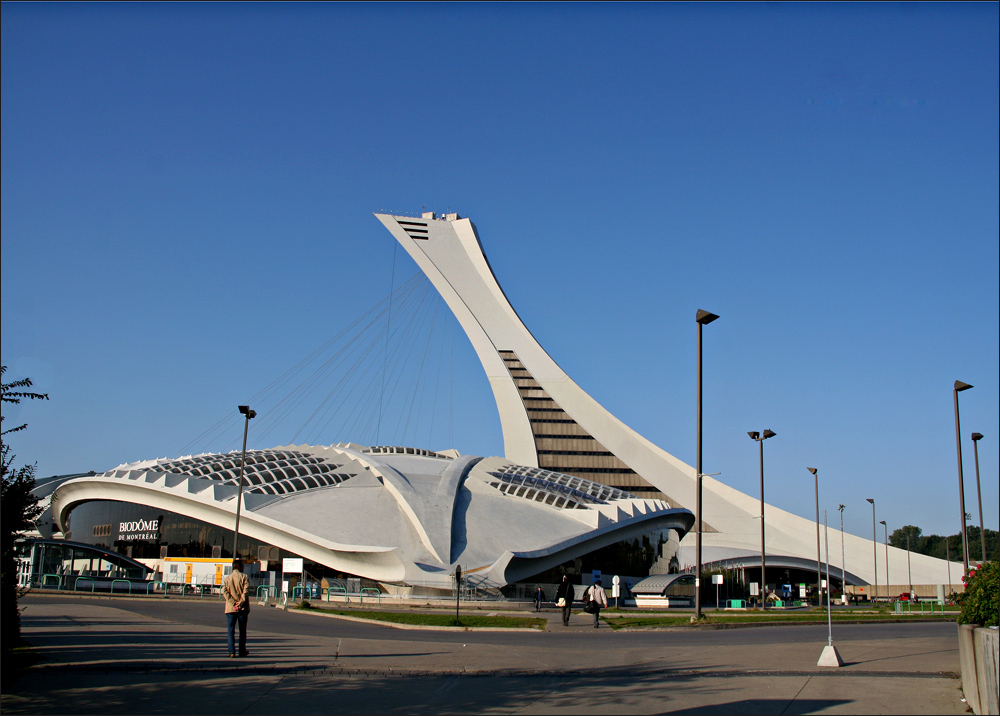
[813,470]
[754,435]
[960,386]
[768,434]
[882,522]
[704,317]
[841,507]
[977,436]
[868,499]
[245,410]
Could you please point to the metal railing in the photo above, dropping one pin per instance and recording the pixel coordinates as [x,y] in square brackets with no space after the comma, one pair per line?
[117,581]
[59,580]
[93,583]
[476,588]
[369,590]
[267,593]
[342,590]
[925,607]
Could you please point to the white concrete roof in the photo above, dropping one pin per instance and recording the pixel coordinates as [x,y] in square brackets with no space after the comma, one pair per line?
[399,515]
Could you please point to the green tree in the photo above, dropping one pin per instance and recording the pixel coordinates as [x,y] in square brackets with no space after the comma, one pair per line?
[950,546]
[18,510]
[898,537]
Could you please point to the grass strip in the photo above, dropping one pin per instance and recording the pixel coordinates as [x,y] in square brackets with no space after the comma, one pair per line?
[437,620]
[770,618]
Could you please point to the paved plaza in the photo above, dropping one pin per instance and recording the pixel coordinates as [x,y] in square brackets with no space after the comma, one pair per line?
[119,655]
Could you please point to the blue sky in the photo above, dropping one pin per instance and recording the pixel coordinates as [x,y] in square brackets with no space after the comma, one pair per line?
[187,197]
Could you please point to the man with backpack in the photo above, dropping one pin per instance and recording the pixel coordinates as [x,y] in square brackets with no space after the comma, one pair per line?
[596,599]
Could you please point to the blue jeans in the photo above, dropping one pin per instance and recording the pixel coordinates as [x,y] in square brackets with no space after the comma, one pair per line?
[232,620]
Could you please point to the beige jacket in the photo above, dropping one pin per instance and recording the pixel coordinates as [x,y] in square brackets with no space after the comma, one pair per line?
[234,589]
[598,595]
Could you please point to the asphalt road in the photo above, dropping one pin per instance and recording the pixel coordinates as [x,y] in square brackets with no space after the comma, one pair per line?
[266,620]
[103,655]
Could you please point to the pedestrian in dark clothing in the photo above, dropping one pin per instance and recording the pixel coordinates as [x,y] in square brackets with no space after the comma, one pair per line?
[564,599]
[539,598]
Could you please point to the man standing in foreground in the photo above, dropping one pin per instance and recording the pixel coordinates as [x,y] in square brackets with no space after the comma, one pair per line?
[234,589]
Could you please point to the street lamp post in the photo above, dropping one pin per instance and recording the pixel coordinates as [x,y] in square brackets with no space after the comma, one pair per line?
[703,318]
[819,573]
[959,387]
[909,574]
[882,522]
[874,550]
[947,556]
[976,437]
[760,438]
[249,415]
[843,559]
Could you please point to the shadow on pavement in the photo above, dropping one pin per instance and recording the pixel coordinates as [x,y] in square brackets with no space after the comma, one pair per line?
[766,706]
[249,693]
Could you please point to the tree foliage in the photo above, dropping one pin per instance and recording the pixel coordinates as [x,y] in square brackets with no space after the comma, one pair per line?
[18,511]
[899,537]
[981,603]
[950,546]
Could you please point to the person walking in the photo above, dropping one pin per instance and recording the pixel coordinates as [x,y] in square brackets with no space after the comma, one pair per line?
[539,598]
[597,599]
[235,588]
[564,599]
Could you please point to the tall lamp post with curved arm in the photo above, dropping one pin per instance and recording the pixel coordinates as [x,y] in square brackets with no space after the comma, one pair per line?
[874,550]
[976,437]
[760,438]
[882,522]
[703,318]
[249,415]
[959,387]
[819,568]
[843,558]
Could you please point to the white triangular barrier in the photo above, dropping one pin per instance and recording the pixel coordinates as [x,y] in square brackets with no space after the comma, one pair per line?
[830,657]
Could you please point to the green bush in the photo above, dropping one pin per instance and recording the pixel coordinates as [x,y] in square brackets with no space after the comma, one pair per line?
[982,596]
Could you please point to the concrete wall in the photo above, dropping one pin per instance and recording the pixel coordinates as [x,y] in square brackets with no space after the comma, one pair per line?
[979,655]
[924,592]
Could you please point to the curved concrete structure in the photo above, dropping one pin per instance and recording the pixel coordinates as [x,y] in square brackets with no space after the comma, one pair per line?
[550,422]
[391,514]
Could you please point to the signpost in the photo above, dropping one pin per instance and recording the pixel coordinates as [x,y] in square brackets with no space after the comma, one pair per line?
[458,588]
[616,589]
[716,580]
[290,565]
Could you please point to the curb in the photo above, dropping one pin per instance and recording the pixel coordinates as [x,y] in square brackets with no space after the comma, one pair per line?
[752,625]
[257,670]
